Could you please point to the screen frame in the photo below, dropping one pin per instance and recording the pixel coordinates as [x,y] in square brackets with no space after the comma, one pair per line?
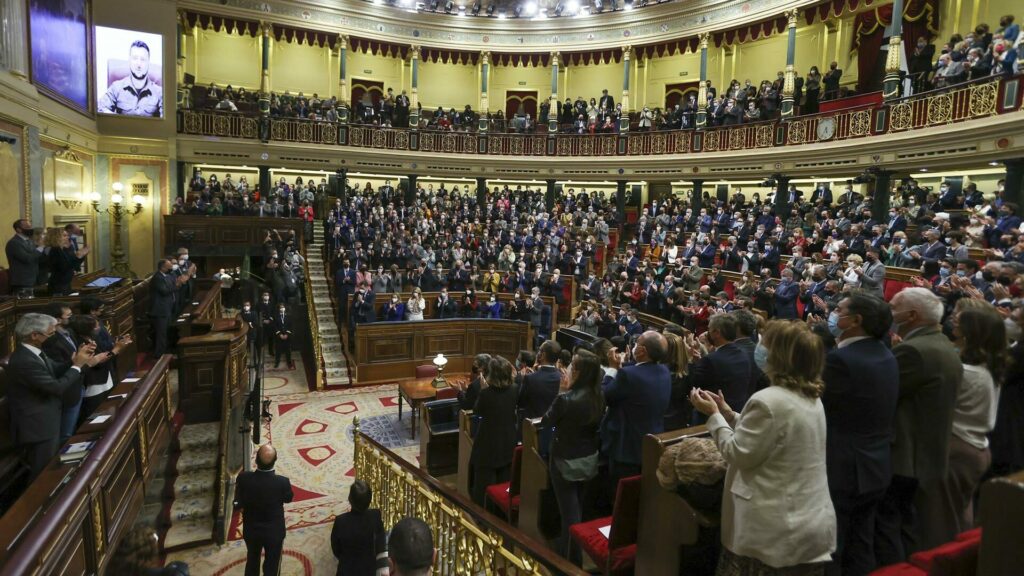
[90,91]
[95,70]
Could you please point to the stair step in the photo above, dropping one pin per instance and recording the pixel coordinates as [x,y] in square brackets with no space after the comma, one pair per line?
[338,381]
[195,436]
[194,531]
[197,460]
[192,507]
[193,483]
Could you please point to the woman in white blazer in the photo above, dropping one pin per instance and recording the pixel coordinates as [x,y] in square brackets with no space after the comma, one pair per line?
[777,517]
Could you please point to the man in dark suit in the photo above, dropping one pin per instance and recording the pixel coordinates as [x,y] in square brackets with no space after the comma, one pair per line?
[36,386]
[283,336]
[265,313]
[446,307]
[930,373]
[163,293]
[823,194]
[539,389]
[60,348]
[637,398]
[23,255]
[862,383]
[606,102]
[261,496]
[344,285]
[727,370]
[831,81]
[785,295]
[357,537]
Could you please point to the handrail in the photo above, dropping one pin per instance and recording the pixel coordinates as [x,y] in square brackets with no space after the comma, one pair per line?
[314,327]
[965,101]
[469,540]
[85,489]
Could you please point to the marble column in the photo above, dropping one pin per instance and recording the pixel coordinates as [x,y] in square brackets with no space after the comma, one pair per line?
[1013,182]
[485,71]
[13,38]
[627,52]
[702,88]
[264,102]
[697,196]
[891,85]
[553,113]
[414,98]
[781,196]
[789,83]
[183,93]
[343,104]
[880,196]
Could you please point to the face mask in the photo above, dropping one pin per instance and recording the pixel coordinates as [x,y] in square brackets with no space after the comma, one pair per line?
[1005,280]
[944,272]
[987,276]
[961,273]
[174,267]
[281,311]
[246,308]
[761,356]
[833,325]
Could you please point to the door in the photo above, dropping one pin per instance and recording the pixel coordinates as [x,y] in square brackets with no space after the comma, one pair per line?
[521,100]
[370,89]
[679,93]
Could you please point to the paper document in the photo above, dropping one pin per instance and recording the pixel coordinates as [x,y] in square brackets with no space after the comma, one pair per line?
[100,419]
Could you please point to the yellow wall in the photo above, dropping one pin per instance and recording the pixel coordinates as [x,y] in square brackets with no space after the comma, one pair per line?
[506,78]
[662,72]
[300,68]
[588,81]
[71,179]
[225,59]
[377,68]
[449,85]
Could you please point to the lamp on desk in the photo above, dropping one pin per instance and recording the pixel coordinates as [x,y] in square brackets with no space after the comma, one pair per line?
[117,211]
[440,361]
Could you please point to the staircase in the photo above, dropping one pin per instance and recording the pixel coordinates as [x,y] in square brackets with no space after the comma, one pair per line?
[190,487]
[332,345]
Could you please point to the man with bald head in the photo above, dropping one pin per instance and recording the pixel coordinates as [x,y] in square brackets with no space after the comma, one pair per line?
[637,400]
[261,496]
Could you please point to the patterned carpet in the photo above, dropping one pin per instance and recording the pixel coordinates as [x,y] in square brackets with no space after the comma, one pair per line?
[312,432]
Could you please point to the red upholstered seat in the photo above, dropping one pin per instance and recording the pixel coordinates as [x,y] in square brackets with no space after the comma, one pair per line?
[969,535]
[901,569]
[426,371]
[956,558]
[615,554]
[505,495]
[730,289]
[892,287]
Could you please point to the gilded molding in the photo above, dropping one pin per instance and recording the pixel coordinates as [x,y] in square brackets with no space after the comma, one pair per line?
[26,175]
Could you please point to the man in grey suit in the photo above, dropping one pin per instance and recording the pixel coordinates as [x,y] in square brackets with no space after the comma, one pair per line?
[872,273]
[36,385]
[930,373]
[23,255]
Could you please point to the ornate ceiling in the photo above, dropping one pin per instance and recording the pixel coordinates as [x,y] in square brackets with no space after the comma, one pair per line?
[609,30]
[529,9]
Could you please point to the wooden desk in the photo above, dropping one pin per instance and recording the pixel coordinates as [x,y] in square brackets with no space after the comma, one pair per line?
[415,393]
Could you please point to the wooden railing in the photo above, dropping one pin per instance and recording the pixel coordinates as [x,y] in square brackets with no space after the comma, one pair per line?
[73,516]
[987,97]
[468,539]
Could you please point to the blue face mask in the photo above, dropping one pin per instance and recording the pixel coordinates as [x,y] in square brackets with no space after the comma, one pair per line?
[833,325]
[944,272]
[761,356]
[961,273]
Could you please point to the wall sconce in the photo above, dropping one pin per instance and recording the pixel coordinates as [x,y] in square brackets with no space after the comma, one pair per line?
[117,211]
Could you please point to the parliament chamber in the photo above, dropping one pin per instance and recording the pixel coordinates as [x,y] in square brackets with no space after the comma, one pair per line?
[533,287]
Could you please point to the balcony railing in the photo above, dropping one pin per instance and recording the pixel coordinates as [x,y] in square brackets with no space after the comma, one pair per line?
[983,98]
[468,539]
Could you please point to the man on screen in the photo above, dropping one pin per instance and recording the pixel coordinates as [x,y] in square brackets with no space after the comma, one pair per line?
[136,94]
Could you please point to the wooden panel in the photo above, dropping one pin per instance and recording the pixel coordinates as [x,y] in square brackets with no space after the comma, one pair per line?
[206,235]
[70,557]
[122,489]
[392,350]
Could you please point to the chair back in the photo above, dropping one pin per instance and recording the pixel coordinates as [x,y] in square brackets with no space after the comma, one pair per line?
[447,393]
[515,478]
[426,371]
[625,513]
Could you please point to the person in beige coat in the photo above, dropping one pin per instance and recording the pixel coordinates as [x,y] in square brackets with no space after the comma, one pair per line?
[777,516]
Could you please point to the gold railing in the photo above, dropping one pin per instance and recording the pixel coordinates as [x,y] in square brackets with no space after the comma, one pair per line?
[469,541]
[314,327]
[939,107]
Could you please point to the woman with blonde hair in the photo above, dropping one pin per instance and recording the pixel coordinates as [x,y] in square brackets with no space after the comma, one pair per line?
[850,276]
[416,305]
[777,515]
[678,362]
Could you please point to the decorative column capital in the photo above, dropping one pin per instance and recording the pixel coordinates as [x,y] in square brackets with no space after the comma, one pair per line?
[704,38]
[266,28]
[343,42]
[627,52]
[485,57]
[414,52]
[554,58]
[792,15]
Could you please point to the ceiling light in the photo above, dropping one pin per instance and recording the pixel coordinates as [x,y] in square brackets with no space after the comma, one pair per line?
[573,6]
[628,5]
[993,163]
[923,170]
[405,3]
[530,8]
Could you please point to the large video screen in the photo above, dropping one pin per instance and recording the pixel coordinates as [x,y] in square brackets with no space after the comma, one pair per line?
[129,80]
[58,38]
